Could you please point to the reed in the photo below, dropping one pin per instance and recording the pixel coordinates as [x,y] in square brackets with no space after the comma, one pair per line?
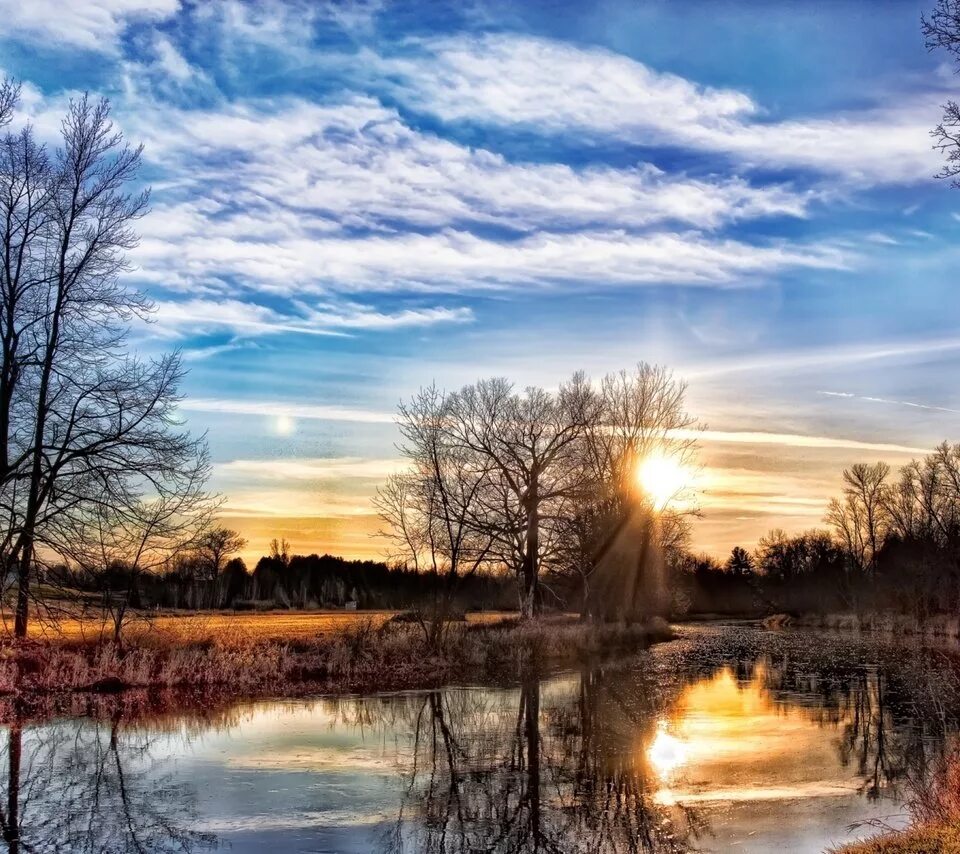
[371,655]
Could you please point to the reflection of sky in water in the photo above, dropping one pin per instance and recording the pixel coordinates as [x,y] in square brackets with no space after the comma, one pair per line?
[768,772]
[295,777]
[763,770]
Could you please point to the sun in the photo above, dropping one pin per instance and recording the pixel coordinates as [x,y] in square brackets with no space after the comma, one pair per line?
[662,478]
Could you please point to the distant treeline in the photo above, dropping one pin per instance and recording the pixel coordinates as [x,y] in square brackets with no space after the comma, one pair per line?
[282,581]
[893,545]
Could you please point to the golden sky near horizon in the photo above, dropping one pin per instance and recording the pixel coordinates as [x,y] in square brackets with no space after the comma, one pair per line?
[748,484]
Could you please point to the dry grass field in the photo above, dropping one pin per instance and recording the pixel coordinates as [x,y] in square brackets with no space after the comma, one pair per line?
[226,626]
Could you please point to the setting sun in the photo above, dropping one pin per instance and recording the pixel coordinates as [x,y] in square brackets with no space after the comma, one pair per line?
[662,478]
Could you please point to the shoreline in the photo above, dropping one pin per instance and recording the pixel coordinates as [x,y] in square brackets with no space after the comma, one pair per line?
[877,622]
[48,677]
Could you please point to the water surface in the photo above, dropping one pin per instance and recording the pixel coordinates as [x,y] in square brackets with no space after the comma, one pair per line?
[730,739]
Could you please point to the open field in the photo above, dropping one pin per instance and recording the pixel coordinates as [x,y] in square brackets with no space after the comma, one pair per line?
[196,627]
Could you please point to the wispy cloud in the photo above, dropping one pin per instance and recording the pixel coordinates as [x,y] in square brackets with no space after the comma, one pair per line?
[247,319]
[867,398]
[754,437]
[813,357]
[453,261]
[316,468]
[358,164]
[93,25]
[509,79]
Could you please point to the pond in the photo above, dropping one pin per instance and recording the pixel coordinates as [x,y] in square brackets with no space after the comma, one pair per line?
[731,738]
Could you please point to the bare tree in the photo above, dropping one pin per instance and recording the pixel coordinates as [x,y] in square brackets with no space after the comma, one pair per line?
[280,551]
[528,442]
[861,518]
[642,415]
[86,430]
[941,30]
[215,545]
[121,541]
[9,96]
[434,509]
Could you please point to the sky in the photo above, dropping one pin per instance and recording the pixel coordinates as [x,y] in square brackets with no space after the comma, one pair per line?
[353,200]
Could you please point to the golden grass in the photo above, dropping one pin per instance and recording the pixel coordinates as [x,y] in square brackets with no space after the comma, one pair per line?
[241,657]
[196,627]
[936,812]
[928,839]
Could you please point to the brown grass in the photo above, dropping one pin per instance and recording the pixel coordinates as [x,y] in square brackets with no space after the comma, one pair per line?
[193,627]
[927,839]
[936,828]
[218,659]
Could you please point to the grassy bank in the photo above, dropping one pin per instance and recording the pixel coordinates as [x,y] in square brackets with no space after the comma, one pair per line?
[927,839]
[936,827]
[372,655]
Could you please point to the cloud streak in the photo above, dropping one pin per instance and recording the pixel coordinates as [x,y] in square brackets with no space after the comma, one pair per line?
[510,79]
[245,319]
[796,440]
[273,409]
[850,396]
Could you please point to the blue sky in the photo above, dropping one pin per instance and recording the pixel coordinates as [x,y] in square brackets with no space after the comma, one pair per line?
[351,200]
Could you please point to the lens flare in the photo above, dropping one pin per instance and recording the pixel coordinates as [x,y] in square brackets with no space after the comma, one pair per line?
[283,425]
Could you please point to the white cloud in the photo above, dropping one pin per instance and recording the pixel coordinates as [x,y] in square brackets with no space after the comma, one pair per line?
[353,315]
[359,164]
[244,319]
[90,24]
[455,260]
[560,88]
[171,61]
[511,78]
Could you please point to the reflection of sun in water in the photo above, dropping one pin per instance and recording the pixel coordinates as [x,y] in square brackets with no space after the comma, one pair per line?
[666,752]
[662,478]
[283,424]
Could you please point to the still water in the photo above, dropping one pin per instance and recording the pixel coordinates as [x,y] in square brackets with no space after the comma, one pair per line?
[729,739]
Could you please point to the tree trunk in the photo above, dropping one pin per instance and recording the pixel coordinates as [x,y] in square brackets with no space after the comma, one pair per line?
[531,557]
[23,589]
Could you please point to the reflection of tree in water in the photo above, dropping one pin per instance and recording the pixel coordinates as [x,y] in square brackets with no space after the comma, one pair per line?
[85,786]
[894,706]
[558,769]
[564,767]
[894,715]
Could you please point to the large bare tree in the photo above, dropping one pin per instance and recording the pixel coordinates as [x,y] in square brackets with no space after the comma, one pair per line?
[861,518]
[529,442]
[941,29]
[615,526]
[121,541]
[85,427]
